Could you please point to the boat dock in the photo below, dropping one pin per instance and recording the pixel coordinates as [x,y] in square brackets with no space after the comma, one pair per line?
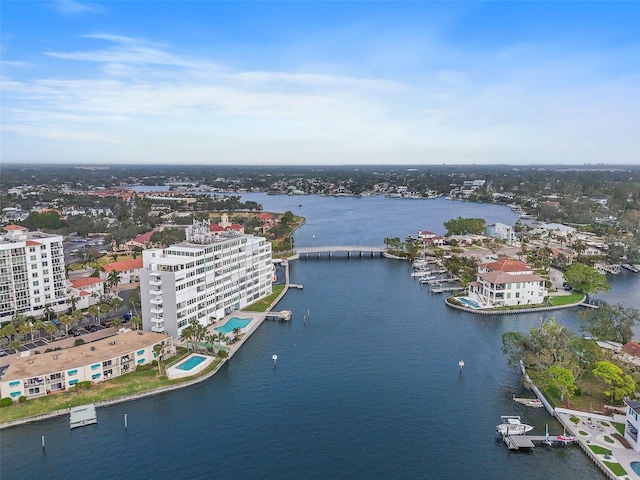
[82,415]
[296,285]
[283,316]
[516,442]
[633,268]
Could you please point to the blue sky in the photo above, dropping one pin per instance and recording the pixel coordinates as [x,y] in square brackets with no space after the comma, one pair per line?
[301,82]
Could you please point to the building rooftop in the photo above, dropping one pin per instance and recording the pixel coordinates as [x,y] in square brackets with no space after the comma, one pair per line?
[74,357]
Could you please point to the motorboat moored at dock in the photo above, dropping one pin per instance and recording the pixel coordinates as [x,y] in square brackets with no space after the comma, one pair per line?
[512,425]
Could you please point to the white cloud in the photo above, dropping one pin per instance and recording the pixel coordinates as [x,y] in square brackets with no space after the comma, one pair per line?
[71,8]
[161,105]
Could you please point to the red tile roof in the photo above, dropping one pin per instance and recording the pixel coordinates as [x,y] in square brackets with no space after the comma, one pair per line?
[632,348]
[503,277]
[84,282]
[144,238]
[10,228]
[504,264]
[32,243]
[123,265]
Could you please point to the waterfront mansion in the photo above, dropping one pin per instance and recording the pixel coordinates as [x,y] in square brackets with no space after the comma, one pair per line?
[203,279]
[507,282]
[46,373]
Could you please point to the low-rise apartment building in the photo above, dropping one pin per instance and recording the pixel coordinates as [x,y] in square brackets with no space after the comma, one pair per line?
[52,372]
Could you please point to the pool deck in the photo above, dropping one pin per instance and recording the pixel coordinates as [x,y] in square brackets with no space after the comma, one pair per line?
[598,430]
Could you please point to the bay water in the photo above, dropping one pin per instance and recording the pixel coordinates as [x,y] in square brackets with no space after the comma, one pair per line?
[367,383]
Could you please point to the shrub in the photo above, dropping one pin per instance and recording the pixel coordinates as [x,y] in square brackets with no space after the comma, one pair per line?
[78,342]
[5,402]
[154,363]
[86,385]
[142,368]
[22,399]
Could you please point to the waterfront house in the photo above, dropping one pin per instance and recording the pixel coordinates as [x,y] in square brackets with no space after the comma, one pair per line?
[507,282]
[430,238]
[632,424]
[33,376]
[501,231]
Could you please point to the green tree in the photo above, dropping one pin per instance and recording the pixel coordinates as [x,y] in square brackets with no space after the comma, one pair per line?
[620,384]
[287,218]
[611,322]
[585,279]
[137,322]
[562,379]
[157,350]
[50,328]
[464,226]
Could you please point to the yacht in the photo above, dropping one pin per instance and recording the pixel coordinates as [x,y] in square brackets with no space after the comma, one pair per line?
[511,425]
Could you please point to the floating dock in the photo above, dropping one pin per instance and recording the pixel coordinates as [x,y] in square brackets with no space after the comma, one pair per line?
[82,415]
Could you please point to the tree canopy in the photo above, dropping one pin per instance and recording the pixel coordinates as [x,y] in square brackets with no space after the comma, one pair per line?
[611,322]
[585,279]
[463,226]
[620,384]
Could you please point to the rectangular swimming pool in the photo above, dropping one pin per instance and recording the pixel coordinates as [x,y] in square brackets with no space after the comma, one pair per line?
[191,363]
[232,324]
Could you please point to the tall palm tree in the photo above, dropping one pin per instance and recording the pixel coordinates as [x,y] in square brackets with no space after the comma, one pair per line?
[157,349]
[67,321]
[73,301]
[50,328]
[25,329]
[9,330]
[38,326]
[113,280]
[137,322]
[48,311]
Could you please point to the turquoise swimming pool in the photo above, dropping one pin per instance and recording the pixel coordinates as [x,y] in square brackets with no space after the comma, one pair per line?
[467,302]
[232,323]
[190,363]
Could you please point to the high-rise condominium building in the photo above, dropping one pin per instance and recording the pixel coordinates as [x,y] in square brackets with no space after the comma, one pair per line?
[202,279]
[32,274]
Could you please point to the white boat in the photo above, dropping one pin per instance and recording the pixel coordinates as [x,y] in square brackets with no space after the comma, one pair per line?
[511,425]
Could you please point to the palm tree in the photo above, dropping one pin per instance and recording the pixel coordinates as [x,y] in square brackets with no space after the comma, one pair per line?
[16,344]
[94,311]
[9,330]
[115,303]
[50,328]
[187,334]
[137,322]
[157,349]
[25,329]
[73,301]
[116,322]
[114,256]
[66,320]
[113,280]
[38,326]
[134,301]
[236,331]
[48,311]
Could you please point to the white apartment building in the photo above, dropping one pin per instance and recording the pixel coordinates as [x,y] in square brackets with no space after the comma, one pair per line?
[203,278]
[32,273]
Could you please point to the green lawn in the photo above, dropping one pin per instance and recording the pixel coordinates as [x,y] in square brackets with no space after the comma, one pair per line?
[598,450]
[265,303]
[560,300]
[619,427]
[134,382]
[616,468]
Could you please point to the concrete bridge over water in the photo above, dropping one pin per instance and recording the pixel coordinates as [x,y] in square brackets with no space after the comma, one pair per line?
[330,250]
